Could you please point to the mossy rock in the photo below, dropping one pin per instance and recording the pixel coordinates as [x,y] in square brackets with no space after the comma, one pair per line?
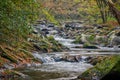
[114,73]
[109,64]
[78,40]
[91,39]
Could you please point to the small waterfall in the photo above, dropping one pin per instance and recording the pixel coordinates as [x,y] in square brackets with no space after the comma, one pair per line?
[60,39]
[60,65]
[62,57]
[44,58]
[66,42]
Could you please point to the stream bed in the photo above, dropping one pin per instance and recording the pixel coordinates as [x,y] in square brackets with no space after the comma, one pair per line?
[53,68]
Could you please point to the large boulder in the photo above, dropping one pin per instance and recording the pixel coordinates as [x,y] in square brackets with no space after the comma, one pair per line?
[83,38]
[71,58]
[88,38]
[114,73]
[73,25]
[101,40]
[68,25]
[114,39]
[107,69]
[95,59]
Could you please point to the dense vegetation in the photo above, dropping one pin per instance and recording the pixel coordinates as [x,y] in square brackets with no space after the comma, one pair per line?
[93,10]
[18,16]
[16,20]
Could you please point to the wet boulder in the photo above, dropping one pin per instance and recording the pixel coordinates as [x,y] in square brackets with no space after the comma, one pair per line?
[68,25]
[68,58]
[116,41]
[78,58]
[71,58]
[101,40]
[50,25]
[57,59]
[35,31]
[95,59]
[87,38]
[73,25]
[84,38]
[114,38]
[87,59]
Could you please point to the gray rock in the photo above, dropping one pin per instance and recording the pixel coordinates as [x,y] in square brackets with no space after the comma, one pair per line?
[71,58]
[35,31]
[116,41]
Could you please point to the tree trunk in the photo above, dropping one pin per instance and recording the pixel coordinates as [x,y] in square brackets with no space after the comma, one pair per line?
[115,12]
[102,6]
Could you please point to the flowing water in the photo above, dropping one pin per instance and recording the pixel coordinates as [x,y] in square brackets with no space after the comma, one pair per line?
[53,68]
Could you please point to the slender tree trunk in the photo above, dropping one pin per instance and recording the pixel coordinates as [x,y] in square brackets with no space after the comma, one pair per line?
[104,13]
[115,12]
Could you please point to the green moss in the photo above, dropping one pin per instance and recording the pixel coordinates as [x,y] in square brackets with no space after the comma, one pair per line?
[117,66]
[104,67]
[15,26]
[56,46]
[78,40]
[48,44]
[91,39]
[49,16]
[51,38]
